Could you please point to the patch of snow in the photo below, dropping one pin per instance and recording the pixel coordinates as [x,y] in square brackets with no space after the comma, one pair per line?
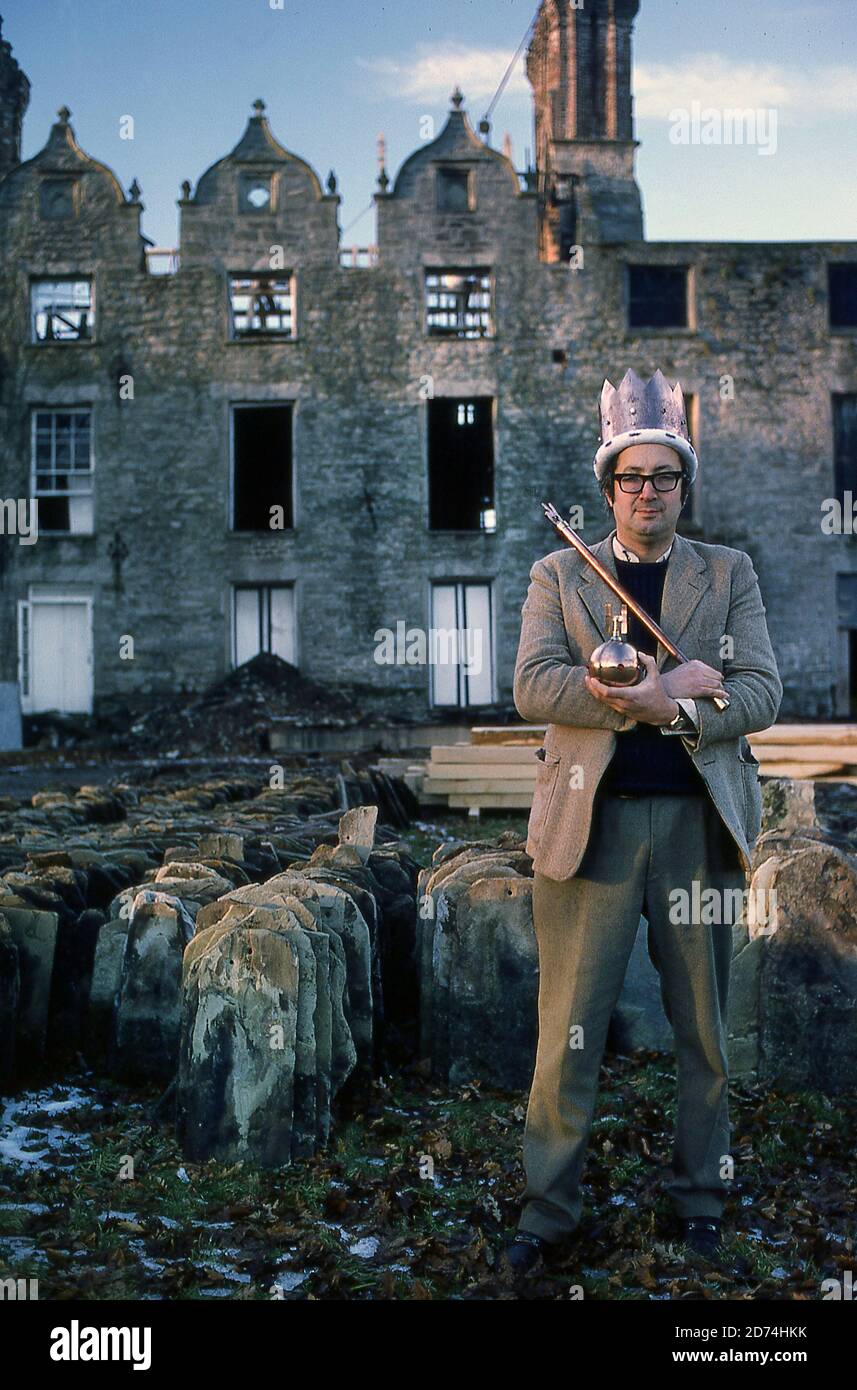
[226,1270]
[366,1248]
[289,1280]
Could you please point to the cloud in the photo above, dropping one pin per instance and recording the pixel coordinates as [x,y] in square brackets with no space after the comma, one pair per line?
[713,80]
[430,72]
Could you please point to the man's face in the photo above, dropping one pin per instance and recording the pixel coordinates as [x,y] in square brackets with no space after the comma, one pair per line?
[647,515]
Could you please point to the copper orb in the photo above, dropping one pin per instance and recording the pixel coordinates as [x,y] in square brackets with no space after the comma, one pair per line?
[616,663]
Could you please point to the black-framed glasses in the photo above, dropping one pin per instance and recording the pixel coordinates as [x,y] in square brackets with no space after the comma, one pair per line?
[634,482]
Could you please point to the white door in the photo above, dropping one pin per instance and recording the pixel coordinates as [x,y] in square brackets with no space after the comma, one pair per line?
[264,621]
[58,655]
[462,667]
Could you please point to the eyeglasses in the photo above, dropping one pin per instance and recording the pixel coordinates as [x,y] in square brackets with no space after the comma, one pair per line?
[662,482]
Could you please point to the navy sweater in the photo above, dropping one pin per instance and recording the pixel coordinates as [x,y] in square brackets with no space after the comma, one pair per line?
[647,761]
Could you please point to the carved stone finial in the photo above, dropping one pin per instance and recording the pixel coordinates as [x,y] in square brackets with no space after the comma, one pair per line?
[258,106]
[458,98]
[64,114]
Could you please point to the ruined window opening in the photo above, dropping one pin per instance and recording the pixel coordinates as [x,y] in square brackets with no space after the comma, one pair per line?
[62,470]
[61,310]
[261,306]
[461,464]
[263,620]
[458,303]
[845,445]
[262,468]
[657,296]
[455,190]
[57,198]
[842,291]
[255,192]
[461,659]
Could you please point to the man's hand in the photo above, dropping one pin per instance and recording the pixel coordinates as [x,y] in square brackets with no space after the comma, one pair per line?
[694,679]
[649,701]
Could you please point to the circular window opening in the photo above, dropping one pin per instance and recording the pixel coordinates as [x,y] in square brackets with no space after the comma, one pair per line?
[259,195]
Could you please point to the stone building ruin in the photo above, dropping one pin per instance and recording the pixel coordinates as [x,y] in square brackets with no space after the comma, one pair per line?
[266,440]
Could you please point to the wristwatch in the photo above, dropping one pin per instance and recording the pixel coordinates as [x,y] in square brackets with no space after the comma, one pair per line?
[681,723]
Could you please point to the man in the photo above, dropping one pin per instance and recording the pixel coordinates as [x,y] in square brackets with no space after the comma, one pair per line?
[641,792]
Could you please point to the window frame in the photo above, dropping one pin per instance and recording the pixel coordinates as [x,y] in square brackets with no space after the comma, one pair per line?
[483,272]
[688,271]
[274,335]
[72,279]
[833,266]
[89,474]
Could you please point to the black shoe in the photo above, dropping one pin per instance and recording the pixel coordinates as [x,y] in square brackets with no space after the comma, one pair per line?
[702,1233]
[522,1254]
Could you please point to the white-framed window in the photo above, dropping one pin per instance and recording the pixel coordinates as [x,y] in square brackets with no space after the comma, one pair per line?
[62,309]
[62,463]
[461,648]
[458,303]
[263,620]
[262,306]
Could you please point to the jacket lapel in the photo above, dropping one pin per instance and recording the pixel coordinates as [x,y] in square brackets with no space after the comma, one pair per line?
[684,586]
[686,582]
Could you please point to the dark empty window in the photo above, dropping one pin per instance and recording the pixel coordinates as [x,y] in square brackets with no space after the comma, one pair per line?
[261,306]
[842,283]
[262,468]
[845,445]
[454,190]
[461,464]
[657,296]
[458,303]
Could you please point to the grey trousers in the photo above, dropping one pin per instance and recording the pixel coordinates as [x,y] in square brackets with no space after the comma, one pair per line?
[639,851]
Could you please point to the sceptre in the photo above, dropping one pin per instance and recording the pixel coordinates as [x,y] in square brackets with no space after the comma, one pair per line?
[626,599]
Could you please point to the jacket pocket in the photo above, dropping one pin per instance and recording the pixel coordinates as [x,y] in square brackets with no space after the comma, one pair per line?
[546,779]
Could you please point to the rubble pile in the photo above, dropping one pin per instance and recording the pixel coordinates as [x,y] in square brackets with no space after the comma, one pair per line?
[235,715]
[227,939]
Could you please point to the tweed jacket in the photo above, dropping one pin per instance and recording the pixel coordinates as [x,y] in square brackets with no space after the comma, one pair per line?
[711,592]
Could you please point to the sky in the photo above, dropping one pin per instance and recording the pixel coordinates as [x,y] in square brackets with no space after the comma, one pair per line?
[335,75]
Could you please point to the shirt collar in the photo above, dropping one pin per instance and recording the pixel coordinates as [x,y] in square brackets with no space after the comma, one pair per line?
[622,553]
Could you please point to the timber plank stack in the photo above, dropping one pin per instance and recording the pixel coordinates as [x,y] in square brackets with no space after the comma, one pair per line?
[496,769]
